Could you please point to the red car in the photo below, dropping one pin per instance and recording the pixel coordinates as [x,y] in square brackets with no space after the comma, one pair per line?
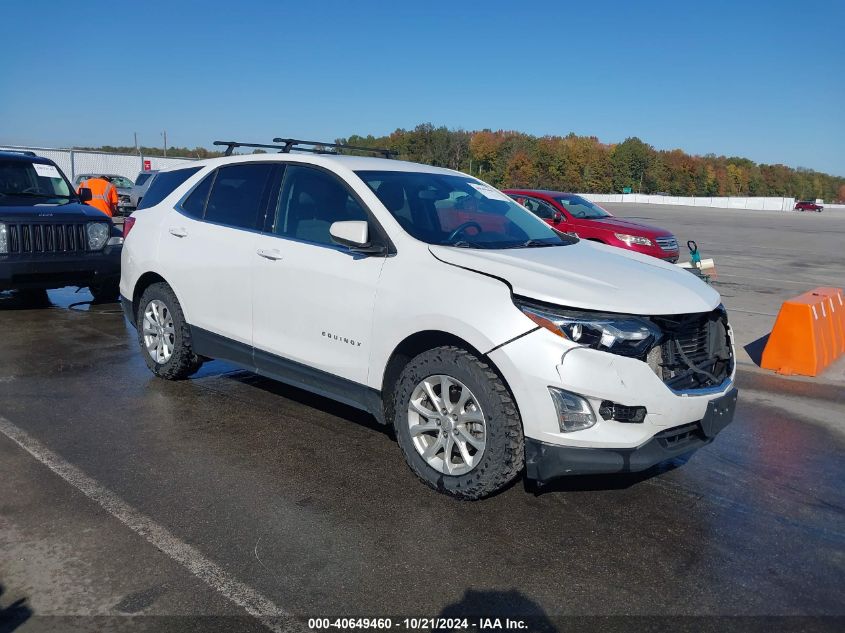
[808,205]
[569,213]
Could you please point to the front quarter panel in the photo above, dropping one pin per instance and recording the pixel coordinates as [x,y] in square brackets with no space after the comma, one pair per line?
[418,293]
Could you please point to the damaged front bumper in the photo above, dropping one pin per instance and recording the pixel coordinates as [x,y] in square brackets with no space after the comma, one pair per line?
[545,461]
[674,421]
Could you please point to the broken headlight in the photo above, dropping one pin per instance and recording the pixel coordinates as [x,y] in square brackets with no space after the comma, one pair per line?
[622,334]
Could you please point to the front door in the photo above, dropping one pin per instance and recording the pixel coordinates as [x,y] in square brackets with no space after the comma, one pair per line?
[312,299]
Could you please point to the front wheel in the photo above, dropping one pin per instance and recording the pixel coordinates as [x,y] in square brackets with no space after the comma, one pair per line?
[164,335]
[457,424]
[105,293]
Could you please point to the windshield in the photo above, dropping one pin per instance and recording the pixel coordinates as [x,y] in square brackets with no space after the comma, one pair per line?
[120,182]
[458,211]
[578,207]
[22,181]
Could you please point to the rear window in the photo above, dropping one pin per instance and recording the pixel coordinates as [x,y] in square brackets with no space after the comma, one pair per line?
[164,184]
[142,178]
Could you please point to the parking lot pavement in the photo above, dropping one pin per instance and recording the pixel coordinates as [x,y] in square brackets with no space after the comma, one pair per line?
[124,494]
[762,259]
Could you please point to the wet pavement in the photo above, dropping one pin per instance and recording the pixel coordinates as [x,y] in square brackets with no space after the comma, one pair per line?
[310,504]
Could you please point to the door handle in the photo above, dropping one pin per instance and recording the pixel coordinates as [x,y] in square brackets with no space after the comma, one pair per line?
[178,231]
[270,253]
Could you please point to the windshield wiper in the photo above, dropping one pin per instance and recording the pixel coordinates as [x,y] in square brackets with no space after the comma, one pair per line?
[533,244]
[463,244]
[32,194]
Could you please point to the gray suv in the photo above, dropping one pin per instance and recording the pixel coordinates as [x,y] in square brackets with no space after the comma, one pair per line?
[142,183]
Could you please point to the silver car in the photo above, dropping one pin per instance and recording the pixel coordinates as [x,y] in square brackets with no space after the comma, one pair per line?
[142,183]
[123,185]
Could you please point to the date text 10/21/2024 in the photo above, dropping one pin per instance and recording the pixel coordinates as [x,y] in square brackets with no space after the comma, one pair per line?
[412,624]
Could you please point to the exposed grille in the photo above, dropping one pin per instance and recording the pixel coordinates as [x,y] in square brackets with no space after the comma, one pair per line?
[695,350]
[42,237]
[667,243]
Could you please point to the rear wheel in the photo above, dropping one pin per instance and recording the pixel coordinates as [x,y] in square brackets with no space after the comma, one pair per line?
[457,424]
[163,334]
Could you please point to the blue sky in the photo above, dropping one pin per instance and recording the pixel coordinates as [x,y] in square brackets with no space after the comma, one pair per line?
[762,80]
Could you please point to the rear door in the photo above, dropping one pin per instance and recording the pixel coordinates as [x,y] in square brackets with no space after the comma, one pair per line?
[208,246]
[313,300]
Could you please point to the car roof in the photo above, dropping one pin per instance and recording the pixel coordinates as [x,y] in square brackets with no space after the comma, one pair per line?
[24,158]
[353,163]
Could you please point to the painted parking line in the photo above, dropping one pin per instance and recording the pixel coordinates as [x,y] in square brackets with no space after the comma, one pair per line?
[252,601]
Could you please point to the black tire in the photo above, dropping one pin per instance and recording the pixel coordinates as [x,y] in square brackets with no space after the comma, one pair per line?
[35,297]
[105,293]
[504,453]
[182,362]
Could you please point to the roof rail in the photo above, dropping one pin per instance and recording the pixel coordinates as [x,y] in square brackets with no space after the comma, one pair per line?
[292,143]
[231,145]
[287,144]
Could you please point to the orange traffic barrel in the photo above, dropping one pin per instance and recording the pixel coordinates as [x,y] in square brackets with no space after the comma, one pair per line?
[807,336]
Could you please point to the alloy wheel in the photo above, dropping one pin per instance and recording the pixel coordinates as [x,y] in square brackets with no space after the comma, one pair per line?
[159,333]
[447,425]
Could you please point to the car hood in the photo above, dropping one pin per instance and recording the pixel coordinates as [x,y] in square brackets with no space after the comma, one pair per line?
[590,276]
[43,212]
[636,228]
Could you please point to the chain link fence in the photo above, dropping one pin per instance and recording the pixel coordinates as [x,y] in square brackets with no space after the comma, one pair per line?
[78,161]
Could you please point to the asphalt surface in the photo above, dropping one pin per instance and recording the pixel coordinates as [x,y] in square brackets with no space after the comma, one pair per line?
[140,504]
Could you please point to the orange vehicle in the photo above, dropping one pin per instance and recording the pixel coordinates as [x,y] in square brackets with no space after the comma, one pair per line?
[103,195]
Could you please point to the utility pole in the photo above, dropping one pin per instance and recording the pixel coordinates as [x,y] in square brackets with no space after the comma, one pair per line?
[137,149]
[165,143]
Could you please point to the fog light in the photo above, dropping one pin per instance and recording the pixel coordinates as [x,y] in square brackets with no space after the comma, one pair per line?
[621,413]
[573,412]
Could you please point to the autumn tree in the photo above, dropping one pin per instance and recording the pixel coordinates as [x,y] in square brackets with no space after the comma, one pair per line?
[630,159]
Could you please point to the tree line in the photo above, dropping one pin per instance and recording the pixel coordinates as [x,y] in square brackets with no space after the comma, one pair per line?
[584,164]
[580,164]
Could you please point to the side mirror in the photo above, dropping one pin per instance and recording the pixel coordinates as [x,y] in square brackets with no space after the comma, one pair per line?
[558,217]
[85,194]
[354,234]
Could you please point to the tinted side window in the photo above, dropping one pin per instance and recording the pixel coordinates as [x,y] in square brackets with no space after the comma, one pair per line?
[194,204]
[540,208]
[164,184]
[239,195]
[310,201]
[142,178]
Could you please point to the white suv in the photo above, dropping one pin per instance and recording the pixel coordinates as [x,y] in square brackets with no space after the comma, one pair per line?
[489,341]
